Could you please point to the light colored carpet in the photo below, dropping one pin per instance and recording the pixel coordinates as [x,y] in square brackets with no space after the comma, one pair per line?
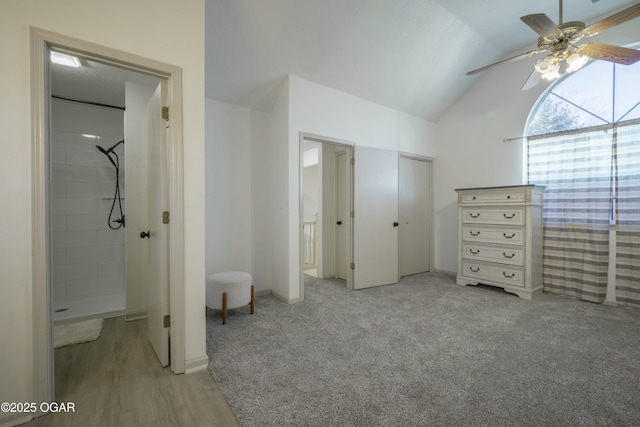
[76,333]
[426,352]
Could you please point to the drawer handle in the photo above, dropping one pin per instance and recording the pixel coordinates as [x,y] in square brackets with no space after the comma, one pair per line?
[472,215]
[508,197]
[472,252]
[509,237]
[475,270]
[508,276]
[474,197]
[474,233]
[509,217]
[508,256]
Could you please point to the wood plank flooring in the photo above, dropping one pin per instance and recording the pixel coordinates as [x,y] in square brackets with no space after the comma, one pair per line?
[117,381]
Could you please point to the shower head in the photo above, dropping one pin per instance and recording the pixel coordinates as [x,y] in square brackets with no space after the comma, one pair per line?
[102,150]
[115,145]
[108,154]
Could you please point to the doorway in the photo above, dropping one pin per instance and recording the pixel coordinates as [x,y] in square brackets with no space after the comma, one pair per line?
[414,211]
[325,209]
[43,42]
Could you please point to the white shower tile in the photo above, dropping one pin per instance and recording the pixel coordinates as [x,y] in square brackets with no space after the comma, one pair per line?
[111,269]
[82,190]
[59,190]
[111,237]
[106,174]
[87,157]
[69,173]
[74,206]
[81,271]
[85,222]
[77,288]
[58,273]
[58,256]
[112,253]
[59,289]
[59,223]
[86,254]
[58,156]
[68,239]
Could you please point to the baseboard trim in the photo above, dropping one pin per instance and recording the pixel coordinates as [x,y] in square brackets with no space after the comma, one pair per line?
[136,315]
[263,293]
[198,364]
[283,299]
[16,420]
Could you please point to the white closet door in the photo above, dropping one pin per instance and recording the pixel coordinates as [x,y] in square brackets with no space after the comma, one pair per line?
[415,218]
[376,217]
[343,218]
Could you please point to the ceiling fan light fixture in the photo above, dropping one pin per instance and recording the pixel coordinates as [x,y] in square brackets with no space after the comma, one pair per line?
[548,67]
[575,61]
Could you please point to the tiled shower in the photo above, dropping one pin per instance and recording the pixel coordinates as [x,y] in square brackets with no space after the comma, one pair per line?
[88,257]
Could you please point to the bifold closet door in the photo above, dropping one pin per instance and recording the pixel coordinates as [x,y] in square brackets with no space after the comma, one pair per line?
[376,217]
[415,219]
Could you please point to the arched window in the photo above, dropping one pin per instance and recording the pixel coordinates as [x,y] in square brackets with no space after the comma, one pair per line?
[602,93]
[584,146]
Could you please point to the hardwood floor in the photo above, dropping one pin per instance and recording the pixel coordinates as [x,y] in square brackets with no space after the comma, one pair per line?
[117,381]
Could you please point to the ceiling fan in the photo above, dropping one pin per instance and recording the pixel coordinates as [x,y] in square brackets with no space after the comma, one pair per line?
[564,55]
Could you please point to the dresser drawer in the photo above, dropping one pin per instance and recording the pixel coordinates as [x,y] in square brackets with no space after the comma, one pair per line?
[504,255]
[506,236]
[509,275]
[515,216]
[494,197]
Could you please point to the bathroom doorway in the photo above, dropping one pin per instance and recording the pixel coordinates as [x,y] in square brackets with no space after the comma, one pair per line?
[168,154]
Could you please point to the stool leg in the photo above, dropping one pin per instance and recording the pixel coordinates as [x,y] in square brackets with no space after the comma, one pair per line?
[253,299]
[224,308]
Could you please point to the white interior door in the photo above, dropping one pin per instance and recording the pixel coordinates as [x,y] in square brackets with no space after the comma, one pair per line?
[158,288]
[376,217]
[343,218]
[414,213]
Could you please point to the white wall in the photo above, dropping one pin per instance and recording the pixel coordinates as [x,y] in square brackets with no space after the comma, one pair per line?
[163,30]
[471,151]
[228,188]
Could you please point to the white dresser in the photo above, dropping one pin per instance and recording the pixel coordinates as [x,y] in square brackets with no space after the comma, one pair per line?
[500,231]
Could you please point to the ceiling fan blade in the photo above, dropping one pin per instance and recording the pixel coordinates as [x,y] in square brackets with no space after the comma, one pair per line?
[542,24]
[533,80]
[605,52]
[504,61]
[613,20]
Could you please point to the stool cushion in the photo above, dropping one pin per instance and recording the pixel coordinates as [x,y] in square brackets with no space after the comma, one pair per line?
[236,284]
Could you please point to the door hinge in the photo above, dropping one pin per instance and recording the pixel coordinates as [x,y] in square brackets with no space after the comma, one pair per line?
[165,217]
[353,214]
[165,113]
[167,320]
[353,162]
[353,266]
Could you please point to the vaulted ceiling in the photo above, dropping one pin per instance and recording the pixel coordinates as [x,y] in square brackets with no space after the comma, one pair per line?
[410,55]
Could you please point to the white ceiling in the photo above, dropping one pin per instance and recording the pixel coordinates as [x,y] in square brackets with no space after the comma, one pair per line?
[410,55]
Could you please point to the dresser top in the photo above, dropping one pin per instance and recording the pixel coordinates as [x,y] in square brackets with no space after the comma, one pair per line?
[507,187]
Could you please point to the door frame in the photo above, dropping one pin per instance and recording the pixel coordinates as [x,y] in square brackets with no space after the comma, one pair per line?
[304,136]
[431,208]
[42,41]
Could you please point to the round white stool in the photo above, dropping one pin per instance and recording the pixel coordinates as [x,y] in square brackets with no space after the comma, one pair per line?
[228,290]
